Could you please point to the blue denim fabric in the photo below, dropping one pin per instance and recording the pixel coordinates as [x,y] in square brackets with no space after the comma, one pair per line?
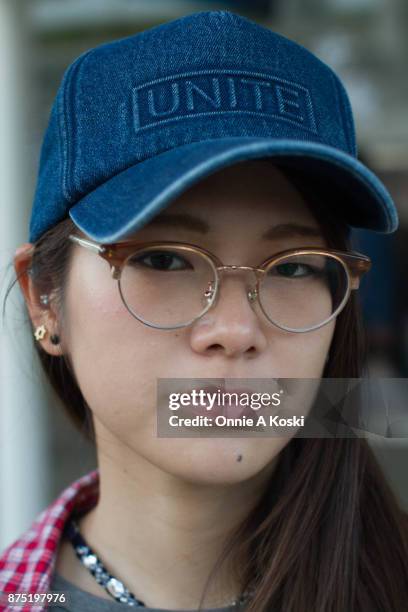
[138,120]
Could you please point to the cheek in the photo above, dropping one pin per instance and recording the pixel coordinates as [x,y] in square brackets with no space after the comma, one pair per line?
[304,355]
[303,359]
[115,358]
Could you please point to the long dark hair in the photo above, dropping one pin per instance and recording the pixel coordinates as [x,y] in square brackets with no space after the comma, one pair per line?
[328,533]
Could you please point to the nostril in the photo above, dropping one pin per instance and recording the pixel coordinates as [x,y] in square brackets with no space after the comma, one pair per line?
[215,347]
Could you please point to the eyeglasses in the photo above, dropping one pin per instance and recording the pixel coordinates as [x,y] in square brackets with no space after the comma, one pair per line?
[169,285]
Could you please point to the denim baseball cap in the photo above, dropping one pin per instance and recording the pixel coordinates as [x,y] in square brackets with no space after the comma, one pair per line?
[139,120]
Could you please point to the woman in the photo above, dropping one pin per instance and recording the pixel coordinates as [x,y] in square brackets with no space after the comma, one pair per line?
[206,142]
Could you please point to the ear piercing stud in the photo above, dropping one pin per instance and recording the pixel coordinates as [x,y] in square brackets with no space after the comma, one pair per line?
[41,332]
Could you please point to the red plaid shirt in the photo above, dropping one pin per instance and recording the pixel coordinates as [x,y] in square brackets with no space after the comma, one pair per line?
[27,565]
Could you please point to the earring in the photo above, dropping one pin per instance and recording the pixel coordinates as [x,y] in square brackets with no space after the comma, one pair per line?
[40,332]
[44,299]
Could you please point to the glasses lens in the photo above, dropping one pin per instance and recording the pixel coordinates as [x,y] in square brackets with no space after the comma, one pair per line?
[300,292]
[167,286]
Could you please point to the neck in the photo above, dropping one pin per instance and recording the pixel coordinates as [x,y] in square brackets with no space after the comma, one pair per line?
[162,535]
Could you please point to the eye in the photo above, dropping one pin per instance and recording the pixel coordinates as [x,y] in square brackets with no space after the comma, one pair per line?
[161,260]
[295,270]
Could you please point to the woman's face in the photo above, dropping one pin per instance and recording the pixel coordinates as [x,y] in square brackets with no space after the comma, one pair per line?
[117,360]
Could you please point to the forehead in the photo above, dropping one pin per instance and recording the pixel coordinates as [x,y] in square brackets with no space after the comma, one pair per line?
[249,192]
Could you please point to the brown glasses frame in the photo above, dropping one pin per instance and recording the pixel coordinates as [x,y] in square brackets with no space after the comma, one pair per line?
[354,263]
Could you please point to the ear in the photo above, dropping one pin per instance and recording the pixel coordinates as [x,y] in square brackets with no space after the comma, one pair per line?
[40,314]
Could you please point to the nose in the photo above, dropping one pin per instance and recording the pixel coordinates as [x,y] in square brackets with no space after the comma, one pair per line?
[231,326]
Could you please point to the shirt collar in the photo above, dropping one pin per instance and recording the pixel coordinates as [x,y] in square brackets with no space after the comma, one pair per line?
[27,565]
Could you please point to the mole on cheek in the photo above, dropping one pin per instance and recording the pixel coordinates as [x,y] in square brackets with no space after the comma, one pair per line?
[239,458]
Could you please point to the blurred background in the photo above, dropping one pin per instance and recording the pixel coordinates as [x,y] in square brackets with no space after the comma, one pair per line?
[365,41]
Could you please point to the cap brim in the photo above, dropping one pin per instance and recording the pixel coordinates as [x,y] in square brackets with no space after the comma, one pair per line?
[127,201]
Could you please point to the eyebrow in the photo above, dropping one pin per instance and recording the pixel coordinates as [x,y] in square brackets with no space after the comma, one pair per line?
[282,230]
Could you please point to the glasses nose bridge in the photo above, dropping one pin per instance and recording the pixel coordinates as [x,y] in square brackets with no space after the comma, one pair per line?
[252,292]
[234,268]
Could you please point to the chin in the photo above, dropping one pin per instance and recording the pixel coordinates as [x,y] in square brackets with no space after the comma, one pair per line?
[223,461]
